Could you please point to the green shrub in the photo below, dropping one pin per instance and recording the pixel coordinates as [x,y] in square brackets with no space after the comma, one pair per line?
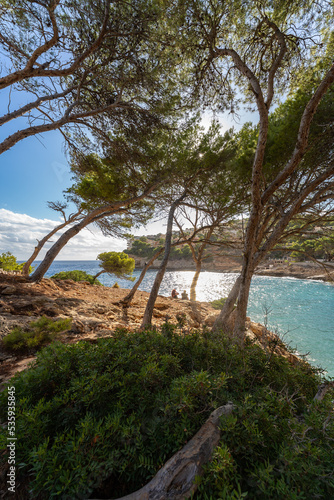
[115,285]
[38,334]
[218,303]
[110,414]
[269,450]
[117,263]
[76,275]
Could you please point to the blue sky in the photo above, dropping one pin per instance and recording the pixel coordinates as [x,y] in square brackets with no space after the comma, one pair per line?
[33,172]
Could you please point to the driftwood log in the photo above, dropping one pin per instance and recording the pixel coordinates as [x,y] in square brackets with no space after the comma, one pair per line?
[175,480]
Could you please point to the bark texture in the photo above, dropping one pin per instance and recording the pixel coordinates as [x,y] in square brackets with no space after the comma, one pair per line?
[195,280]
[224,320]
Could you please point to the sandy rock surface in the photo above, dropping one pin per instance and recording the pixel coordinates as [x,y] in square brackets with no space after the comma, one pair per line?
[96,311]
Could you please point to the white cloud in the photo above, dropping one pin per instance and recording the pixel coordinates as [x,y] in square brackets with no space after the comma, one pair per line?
[19,232]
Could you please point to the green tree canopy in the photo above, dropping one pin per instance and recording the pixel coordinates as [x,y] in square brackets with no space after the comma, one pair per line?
[116,263]
[8,262]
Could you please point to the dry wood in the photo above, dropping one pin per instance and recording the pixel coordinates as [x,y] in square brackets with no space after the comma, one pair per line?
[175,480]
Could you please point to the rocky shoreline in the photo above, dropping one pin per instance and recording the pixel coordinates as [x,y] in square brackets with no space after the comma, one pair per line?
[96,312]
[301,270]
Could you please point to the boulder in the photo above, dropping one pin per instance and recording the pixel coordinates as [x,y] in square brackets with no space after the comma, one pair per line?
[210,319]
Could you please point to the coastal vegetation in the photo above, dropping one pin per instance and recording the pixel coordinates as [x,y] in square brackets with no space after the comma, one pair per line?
[112,412]
[76,275]
[39,333]
[8,262]
[116,263]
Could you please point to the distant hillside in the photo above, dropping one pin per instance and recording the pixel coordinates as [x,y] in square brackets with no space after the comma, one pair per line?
[216,257]
[225,249]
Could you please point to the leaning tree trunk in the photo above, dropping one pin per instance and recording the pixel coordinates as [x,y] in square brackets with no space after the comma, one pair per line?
[55,249]
[195,280]
[98,274]
[40,244]
[147,318]
[128,298]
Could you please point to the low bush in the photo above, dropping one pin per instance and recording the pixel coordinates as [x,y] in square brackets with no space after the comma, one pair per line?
[110,414]
[218,303]
[38,334]
[76,275]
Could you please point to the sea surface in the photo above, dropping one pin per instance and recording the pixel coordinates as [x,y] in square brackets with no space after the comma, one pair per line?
[300,311]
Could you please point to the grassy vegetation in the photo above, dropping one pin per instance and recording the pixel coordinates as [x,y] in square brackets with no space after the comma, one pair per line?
[110,414]
[38,334]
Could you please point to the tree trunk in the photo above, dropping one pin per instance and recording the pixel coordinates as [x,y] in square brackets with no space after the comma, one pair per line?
[147,318]
[52,253]
[128,298]
[94,216]
[40,244]
[241,310]
[224,320]
[98,274]
[55,249]
[195,280]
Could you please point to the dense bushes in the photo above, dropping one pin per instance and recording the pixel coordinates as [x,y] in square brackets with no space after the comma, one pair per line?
[76,275]
[270,450]
[110,414]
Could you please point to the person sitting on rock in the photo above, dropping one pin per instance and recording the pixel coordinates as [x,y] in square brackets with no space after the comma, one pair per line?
[174,293]
[184,295]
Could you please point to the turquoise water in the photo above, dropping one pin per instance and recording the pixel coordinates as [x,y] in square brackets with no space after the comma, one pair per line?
[300,310]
